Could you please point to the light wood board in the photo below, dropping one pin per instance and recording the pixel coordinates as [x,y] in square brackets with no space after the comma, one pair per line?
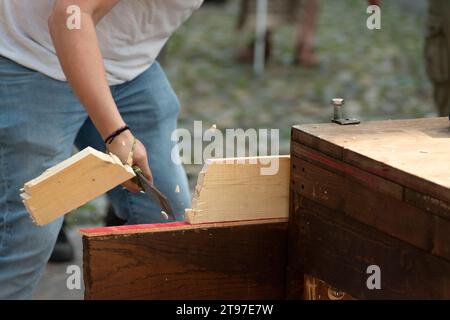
[72,183]
[236,189]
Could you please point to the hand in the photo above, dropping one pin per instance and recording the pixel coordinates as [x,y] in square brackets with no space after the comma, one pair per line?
[121,147]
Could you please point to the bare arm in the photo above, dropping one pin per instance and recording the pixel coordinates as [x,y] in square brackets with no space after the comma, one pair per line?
[79,53]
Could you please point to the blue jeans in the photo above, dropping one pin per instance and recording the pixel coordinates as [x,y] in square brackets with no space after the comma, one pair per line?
[40,121]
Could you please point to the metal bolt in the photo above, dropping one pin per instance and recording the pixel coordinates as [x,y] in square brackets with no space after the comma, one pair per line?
[338,103]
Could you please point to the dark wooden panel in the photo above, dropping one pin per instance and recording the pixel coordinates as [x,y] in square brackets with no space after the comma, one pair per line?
[372,181]
[340,192]
[299,135]
[294,270]
[424,186]
[319,184]
[238,262]
[427,203]
[338,250]
[441,240]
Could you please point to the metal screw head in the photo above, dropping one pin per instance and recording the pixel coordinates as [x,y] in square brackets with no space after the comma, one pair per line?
[338,102]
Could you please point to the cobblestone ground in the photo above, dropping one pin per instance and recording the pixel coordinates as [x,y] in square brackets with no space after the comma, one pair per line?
[379,73]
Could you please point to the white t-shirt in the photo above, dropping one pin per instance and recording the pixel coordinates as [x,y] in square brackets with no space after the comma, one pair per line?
[131,35]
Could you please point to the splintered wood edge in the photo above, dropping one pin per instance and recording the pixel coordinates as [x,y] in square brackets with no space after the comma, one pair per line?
[172,226]
[33,218]
[191,213]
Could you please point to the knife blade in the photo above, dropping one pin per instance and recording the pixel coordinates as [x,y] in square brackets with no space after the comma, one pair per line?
[153,192]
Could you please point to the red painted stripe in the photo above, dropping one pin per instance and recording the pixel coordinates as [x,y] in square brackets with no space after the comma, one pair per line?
[134,227]
[160,226]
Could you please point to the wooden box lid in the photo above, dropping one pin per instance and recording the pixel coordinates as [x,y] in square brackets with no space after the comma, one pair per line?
[414,153]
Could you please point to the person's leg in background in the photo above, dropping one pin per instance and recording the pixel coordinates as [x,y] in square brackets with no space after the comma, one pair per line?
[437,53]
[305,53]
[150,107]
[38,124]
[441,96]
[246,13]
[63,251]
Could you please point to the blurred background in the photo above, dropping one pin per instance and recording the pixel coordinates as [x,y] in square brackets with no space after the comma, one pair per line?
[380,73]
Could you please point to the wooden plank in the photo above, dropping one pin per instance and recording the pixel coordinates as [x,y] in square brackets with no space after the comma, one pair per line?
[300,135]
[394,217]
[230,261]
[427,203]
[165,227]
[419,183]
[72,183]
[441,237]
[365,178]
[319,184]
[338,250]
[294,270]
[409,152]
[239,189]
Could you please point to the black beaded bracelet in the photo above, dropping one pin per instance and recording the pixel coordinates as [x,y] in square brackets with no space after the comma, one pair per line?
[111,138]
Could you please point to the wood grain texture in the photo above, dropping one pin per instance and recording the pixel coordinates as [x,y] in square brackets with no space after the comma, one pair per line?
[294,271]
[72,183]
[427,203]
[338,250]
[232,262]
[389,215]
[390,207]
[241,189]
[413,153]
[365,178]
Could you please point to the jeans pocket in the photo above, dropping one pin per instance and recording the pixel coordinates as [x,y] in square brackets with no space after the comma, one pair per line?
[436,52]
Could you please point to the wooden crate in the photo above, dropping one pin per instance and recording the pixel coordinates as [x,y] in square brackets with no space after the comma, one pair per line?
[377,193]
[231,260]
[232,246]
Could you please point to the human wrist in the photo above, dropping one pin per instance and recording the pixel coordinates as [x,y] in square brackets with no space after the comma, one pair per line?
[122,146]
[116,133]
[123,139]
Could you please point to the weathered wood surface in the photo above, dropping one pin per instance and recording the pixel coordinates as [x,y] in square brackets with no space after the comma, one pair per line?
[231,261]
[375,193]
[413,153]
